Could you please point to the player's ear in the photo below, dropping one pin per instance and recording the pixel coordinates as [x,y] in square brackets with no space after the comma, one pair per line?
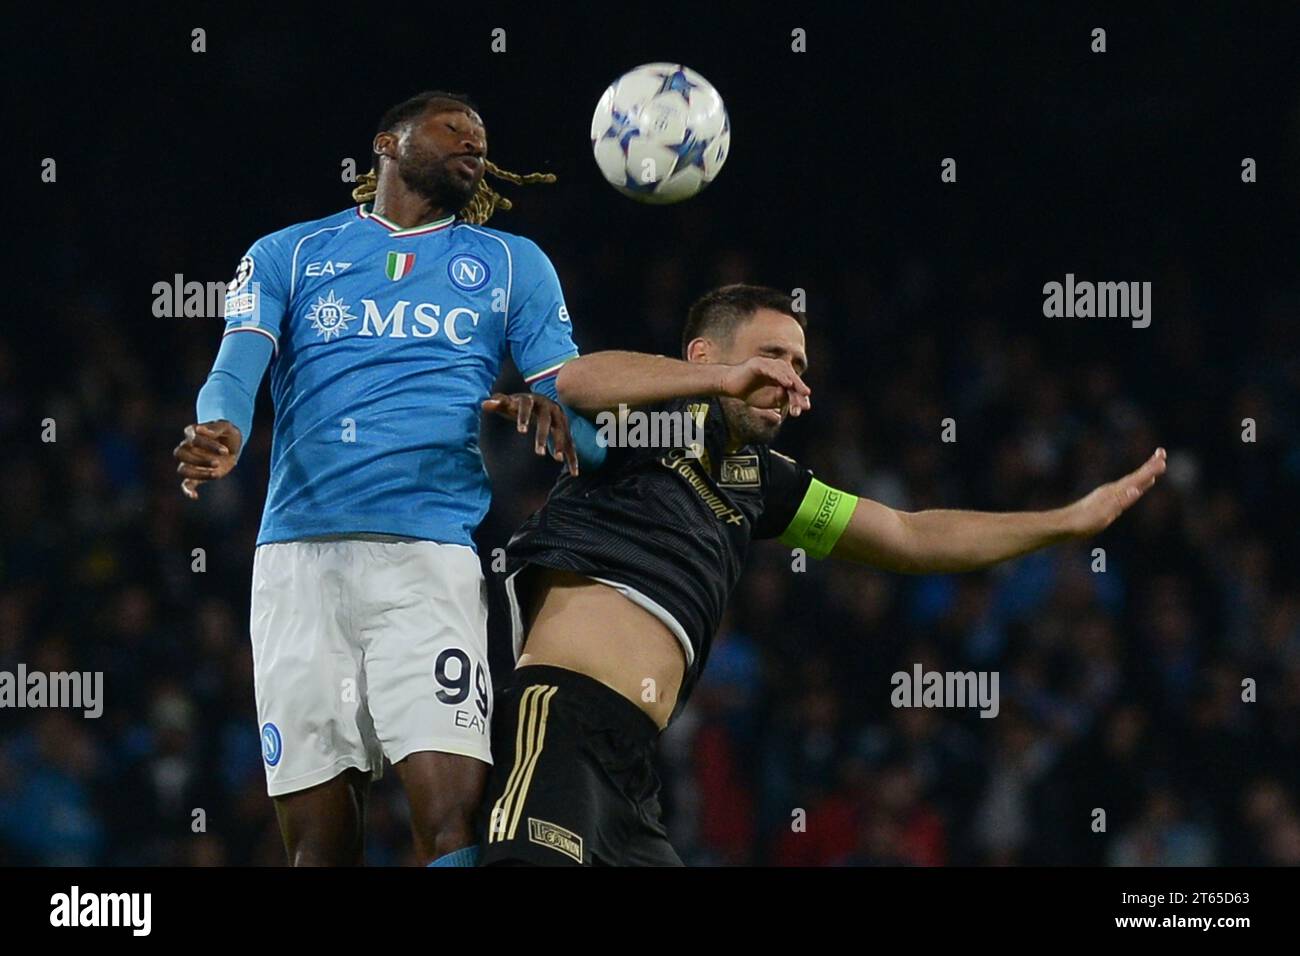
[385,144]
[699,350]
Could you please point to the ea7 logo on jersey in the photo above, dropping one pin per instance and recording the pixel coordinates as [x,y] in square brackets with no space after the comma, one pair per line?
[326,268]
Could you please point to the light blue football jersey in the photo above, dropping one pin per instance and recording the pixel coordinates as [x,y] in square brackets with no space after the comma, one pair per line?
[386,342]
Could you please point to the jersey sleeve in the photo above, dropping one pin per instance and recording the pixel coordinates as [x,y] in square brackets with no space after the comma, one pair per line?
[537,321]
[258,296]
[230,392]
[802,511]
[586,437]
[787,483]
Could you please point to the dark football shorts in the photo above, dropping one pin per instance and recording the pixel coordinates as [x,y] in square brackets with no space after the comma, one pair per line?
[573,781]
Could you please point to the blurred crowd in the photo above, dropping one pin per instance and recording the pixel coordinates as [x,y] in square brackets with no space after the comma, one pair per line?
[1150,692]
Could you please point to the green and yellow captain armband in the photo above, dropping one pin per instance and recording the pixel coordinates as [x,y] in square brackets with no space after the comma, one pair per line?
[822,517]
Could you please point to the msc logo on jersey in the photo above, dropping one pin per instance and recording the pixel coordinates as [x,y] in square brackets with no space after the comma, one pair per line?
[329,316]
[468,272]
[427,320]
[272,744]
[424,320]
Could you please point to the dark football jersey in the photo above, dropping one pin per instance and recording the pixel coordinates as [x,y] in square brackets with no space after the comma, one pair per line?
[673,528]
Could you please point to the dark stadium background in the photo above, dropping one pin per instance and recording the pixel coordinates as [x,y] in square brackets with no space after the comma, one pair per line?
[1119,691]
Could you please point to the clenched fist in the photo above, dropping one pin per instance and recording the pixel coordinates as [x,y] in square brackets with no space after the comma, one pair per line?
[207,453]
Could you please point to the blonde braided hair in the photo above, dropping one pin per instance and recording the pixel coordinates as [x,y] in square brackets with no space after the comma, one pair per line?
[482,204]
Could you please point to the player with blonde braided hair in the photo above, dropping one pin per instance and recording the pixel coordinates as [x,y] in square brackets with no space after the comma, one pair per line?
[482,204]
[389,322]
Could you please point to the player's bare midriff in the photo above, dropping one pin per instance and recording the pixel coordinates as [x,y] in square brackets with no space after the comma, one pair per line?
[590,628]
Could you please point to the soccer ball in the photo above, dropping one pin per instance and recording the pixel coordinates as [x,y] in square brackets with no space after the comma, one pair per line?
[660,133]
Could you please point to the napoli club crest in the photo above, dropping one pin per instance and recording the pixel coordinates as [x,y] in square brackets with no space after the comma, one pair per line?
[272,744]
[468,272]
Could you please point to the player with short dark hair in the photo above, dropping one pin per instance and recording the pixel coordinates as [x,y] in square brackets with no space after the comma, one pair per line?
[618,583]
[718,314]
[389,323]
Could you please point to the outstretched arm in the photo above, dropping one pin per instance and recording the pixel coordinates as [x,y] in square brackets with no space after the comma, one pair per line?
[605,380]
[941,541]
[212,444]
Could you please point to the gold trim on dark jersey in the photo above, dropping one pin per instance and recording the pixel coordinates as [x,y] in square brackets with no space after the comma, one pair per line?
[676,460]
[530,736]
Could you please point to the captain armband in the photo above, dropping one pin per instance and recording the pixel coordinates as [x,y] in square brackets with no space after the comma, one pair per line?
[822,517]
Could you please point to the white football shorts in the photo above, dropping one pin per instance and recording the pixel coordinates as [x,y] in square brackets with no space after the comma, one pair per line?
[365,649]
